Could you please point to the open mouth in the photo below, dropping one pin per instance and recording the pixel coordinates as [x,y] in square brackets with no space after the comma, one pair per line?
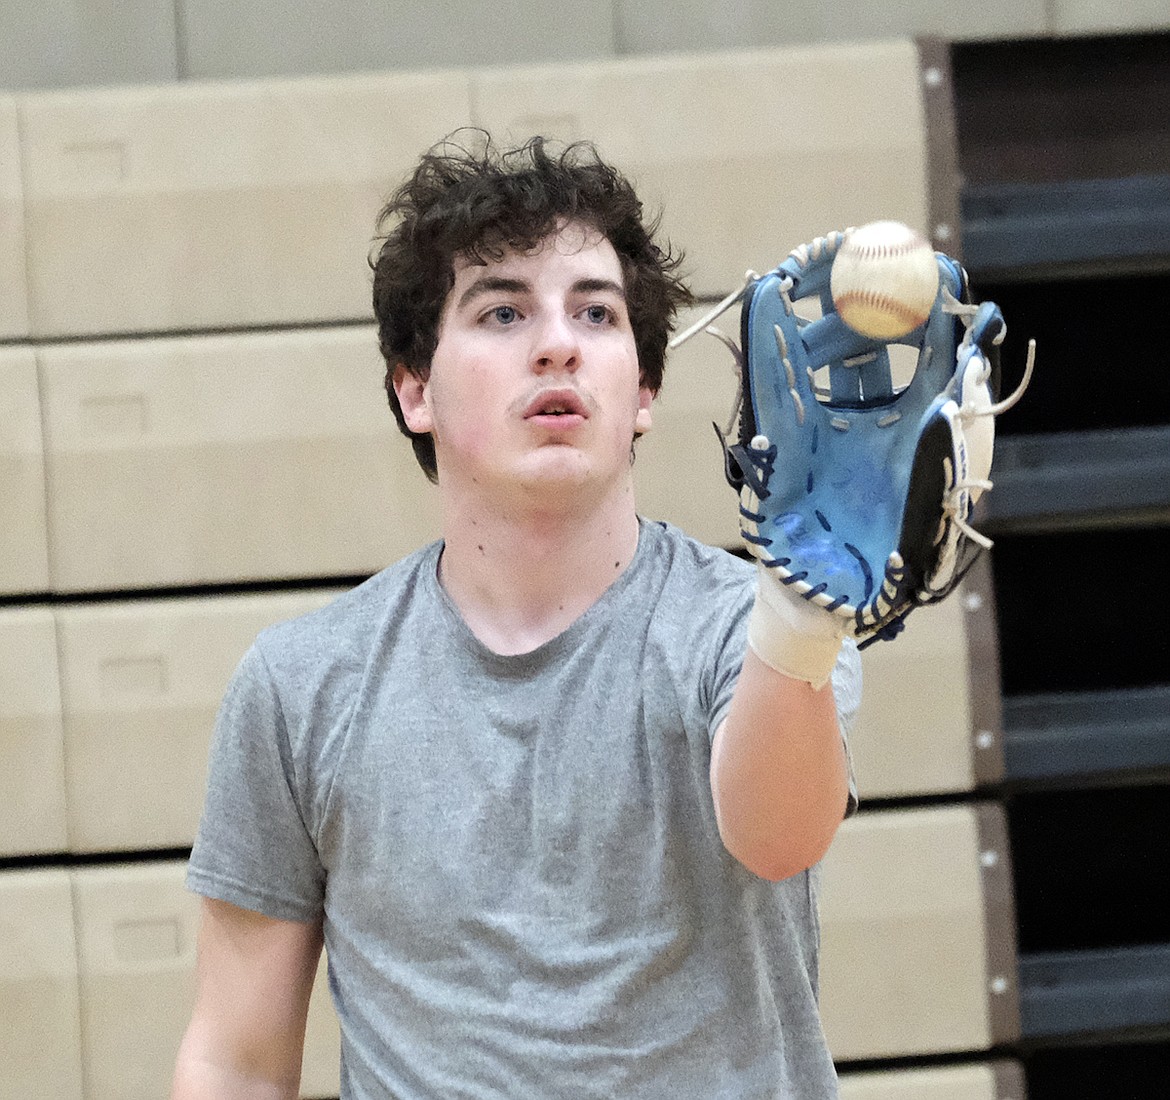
[556,406]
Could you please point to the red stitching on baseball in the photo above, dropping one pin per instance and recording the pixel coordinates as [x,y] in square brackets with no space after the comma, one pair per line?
[881,302]
[885,251]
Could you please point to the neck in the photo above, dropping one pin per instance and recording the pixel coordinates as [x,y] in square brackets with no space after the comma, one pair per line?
[522,573]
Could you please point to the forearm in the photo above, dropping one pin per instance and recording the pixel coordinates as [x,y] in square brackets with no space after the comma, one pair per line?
[779,774]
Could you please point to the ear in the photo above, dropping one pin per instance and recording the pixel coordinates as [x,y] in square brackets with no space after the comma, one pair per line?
[642,422]
[414,398]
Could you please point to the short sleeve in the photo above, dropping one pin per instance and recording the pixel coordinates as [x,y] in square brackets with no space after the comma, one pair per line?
[730,646]
[253,848]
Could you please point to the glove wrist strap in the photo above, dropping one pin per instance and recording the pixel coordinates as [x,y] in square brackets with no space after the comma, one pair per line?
[790,635]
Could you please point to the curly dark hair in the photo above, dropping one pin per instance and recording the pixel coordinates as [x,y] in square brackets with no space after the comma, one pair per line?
[483,202]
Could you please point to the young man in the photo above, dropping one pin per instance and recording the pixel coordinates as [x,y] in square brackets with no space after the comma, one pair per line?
[556,823]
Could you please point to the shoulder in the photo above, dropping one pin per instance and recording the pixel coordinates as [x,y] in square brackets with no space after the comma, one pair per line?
[343,632]
[686,560]
[706,580]
[698,590]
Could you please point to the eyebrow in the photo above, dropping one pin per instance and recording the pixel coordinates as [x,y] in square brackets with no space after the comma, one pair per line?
[495,284]
[595,286]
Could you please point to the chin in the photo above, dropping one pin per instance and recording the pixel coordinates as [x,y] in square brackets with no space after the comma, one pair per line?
[570,468]
[566,471]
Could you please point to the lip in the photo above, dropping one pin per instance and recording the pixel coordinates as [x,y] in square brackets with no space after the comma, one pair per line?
[568,401]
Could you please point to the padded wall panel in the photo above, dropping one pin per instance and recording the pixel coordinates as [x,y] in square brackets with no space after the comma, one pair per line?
[40,1038]
[225,458]
[655,26]
[87,42]
[918,934]
[227,39]
[916,732]
[750,154]
[1092,17]
[321,1062]
[678,474]
[136,929]
[24,541]
[13,299]
[141,684]
[1000,1080]
[206,205]
[32,768]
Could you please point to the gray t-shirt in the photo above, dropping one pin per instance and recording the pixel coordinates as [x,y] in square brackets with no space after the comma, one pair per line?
[516,858]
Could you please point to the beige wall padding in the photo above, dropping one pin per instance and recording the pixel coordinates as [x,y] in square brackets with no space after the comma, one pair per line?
[136,933]
[976,1081]
[1079,17]
[32,757]
[13,300]
[201,206]
[925,747]
[678,473]
[141,684]
[24,539]
[40,1033]
[660,25]
[225,458]
[321,1064]
[136,928]
[227,39]
[217,205]
[207,458]
[906,921]
[712,139]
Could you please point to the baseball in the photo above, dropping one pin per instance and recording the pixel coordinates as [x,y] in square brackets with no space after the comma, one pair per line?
[884,280]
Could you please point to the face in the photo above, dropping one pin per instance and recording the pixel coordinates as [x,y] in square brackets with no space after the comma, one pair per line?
[534,380]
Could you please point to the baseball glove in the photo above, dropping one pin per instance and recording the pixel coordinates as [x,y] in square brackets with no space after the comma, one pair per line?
[856,494]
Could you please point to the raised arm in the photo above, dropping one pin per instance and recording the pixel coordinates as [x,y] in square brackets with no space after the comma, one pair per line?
[779,774]
[247,1031]
[856,492]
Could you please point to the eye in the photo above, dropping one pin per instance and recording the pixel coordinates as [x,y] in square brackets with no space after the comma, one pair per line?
[503,315]
[598,314]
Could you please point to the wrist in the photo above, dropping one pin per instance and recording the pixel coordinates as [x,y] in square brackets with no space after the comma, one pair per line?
[791,635]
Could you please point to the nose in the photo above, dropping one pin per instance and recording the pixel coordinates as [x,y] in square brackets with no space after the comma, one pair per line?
[556,347]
